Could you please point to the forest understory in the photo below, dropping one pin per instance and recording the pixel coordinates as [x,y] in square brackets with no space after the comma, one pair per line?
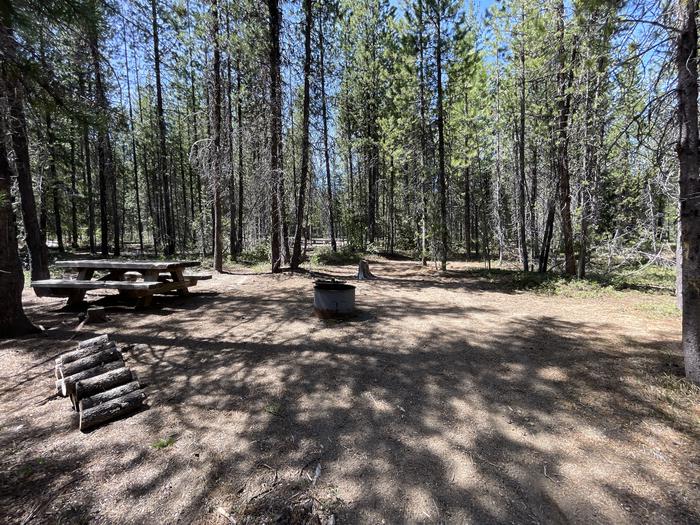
[460,396]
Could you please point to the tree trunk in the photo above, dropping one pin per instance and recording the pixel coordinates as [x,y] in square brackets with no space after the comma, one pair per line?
[324,114]
[215,118]
[38,252]
[53,182]
[239,117]
[689,162]
[423,175]
[547,240]
[441,150]
[467,183]
[13,321]
[73,197]
[301,200]
[521,149]
[564,80]
[133,148]
[275,133]
[169,245]
[230,140]
[104,150]
[534,233]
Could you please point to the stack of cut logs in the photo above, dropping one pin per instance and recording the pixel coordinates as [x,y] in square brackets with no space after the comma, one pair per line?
[99,385]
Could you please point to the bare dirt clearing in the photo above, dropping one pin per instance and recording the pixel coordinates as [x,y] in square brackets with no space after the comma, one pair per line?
[449,398]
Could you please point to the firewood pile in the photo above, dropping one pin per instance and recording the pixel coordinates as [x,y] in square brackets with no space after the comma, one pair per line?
[97,382]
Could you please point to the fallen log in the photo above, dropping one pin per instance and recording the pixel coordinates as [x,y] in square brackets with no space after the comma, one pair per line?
[100,339]
[91,361]
[94,385]
[82,352]
[65,386]
[109,395]
[92,417]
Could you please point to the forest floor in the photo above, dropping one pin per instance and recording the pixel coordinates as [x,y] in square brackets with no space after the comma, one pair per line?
[458,397]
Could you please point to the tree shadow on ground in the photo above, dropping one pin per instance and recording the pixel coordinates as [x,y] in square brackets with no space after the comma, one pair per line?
[541,420]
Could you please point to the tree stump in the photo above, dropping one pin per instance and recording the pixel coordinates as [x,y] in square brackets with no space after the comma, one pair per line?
[96,314]
[91,417]
[363,272]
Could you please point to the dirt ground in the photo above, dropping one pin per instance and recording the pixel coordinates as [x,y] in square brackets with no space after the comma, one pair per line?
[449,398]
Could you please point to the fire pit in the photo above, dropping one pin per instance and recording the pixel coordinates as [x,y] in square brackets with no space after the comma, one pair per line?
[333,299]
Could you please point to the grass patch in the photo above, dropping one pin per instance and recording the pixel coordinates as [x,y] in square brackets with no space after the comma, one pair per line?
[651,279]
[661,308]
[164,443]
[275,408]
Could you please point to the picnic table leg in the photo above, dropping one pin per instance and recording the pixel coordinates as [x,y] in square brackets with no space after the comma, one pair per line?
[178,277]
[76,297]
[146,299]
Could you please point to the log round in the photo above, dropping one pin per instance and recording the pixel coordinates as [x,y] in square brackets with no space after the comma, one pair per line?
[91,361]
[92,417]
[65,386]
[94,385]
[98,399]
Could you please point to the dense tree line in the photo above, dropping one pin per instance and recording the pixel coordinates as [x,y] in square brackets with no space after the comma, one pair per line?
[541,132]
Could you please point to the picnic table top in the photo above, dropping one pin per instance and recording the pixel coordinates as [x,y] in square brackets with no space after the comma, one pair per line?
[109,264]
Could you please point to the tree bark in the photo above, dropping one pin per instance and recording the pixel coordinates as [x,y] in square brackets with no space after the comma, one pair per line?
[215,118]
[521,149]
[73,197]
[106,174]
[109,410]
[53,182]
[169,245]
[38,251]
[441,149]
[324,115]
[133,148]
[13,321]
[275,134]
[689,162]
[108,395]
[301,200]
[239,118]
[565,80]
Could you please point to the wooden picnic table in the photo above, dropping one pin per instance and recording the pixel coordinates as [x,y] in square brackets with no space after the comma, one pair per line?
[123,275]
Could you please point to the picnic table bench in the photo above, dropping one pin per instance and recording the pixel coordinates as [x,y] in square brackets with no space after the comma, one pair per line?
[157,277]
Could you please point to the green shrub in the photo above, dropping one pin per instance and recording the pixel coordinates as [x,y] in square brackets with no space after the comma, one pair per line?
[327,257]
[256,254]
